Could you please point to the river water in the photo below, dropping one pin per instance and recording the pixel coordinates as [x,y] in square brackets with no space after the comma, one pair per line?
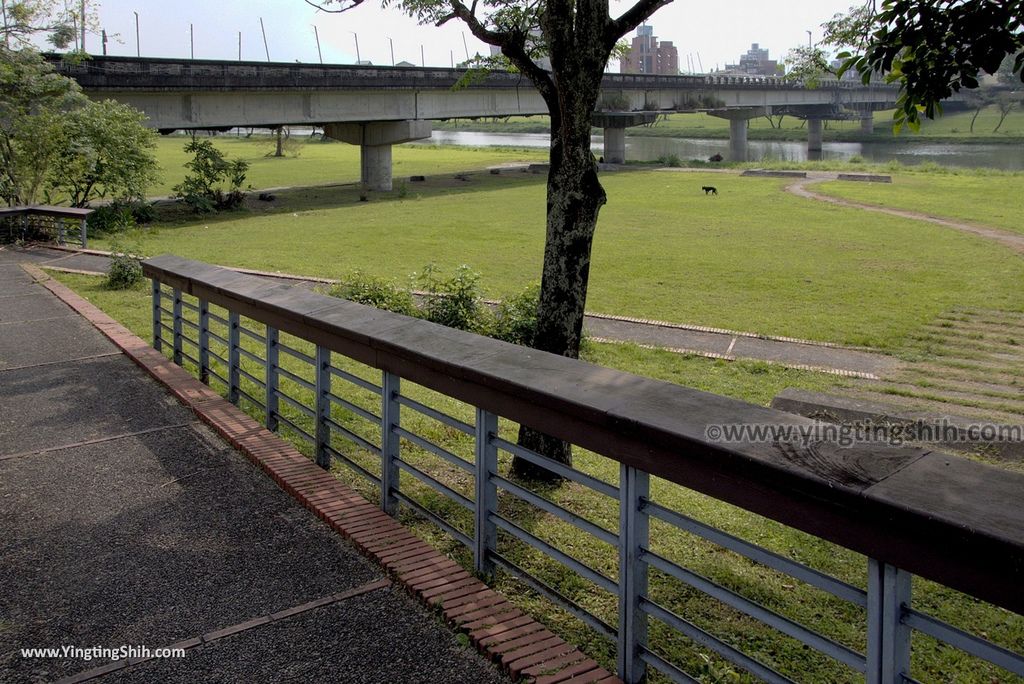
[1009,157]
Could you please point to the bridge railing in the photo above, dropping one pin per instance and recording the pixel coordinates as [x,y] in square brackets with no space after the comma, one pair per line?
[659,519]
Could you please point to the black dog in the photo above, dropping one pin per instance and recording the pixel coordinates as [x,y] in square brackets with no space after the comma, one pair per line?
[709,189]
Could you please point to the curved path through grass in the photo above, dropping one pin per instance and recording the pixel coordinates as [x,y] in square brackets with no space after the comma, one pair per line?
[801,188]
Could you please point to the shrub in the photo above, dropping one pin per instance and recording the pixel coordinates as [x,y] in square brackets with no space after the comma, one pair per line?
[125,269]
[455,301]
[516,320]
[372,291]
[111,218]
[671,160]
[201,189]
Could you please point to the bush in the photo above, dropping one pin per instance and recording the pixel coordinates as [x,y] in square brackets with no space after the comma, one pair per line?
[455,301]
[125,269]
[201,189]
[516,320]
[671,160]
[365,289]
[118,217]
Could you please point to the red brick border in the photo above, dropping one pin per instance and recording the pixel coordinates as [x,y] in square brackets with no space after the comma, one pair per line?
[503,633]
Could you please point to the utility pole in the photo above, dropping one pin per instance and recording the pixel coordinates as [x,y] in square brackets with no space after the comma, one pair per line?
[317,34]
[138,49]
[264,32]
[423,59]
[464,46]
[239,46]
[82,18]
[392,50]
[358,58]
[192,41]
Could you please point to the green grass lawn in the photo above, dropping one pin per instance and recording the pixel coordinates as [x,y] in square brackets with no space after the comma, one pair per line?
[311,162]
[752,258]
[987,200]
[832,617]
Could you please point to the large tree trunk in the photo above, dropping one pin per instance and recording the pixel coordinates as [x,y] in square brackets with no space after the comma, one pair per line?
[574,199]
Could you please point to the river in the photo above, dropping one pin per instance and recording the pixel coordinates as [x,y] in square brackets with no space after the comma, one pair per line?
[1008,157]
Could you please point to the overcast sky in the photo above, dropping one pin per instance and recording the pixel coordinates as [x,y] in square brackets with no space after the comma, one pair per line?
[716,30]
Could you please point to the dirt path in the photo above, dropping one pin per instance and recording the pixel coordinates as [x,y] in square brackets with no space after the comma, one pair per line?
[1006,238]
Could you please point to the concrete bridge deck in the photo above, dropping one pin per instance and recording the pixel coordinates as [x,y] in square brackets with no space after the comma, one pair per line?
[126,522]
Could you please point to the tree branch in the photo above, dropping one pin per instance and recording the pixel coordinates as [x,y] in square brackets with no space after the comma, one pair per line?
[632,18]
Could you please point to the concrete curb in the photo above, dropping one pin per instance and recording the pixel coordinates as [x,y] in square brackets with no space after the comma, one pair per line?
[521,646]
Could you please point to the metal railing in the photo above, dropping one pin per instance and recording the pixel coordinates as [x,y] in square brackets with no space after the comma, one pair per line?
[425,417]
[61,225]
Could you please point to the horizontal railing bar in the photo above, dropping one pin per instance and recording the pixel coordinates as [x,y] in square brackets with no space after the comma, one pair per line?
[345,460]
[557,468]
[166,327]
[709,641]
[214,355]
[186,355]
[456,534]
[558,511]
[251,398]
[297,379]
[252,357]
[214,336]
[588,618]
[358,410]
[442,489]
[665,667]
[966,642]
[783,624]
[214,317]
[217,376]
[291,424]
[167,311]
[190,306]
[354,379]
[186,338]
[758,554]
[190,324]
[565,559]
[253,334]
[351,436]
[436,415]
[301,356]
[250,377]
[427,445]
[296,404]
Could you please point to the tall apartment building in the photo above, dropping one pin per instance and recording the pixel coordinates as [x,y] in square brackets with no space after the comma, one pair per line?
[647,56]
[755,63]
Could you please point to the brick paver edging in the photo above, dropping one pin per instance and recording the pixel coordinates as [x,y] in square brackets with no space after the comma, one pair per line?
[522,646]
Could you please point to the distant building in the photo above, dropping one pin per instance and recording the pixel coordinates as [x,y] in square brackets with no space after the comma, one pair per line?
[535,37]
[404,63]
[755,63]
[647,56]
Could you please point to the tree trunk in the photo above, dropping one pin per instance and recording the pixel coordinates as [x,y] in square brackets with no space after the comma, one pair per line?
[279,152]
[975,117]
[1003,113]
[574,199]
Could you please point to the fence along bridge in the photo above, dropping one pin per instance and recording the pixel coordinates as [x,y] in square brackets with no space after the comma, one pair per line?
[377,107]
[364,387]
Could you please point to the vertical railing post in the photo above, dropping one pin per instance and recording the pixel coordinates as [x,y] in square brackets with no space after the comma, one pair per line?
[634,537]
[323,406]
[60,230]
[888,651]
[485,532]
[204,341]
[234,357]
[157,319]
[270,380]
[390,418]
[83,230]
[176,325]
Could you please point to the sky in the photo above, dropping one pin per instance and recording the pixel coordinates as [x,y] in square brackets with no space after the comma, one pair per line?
[712,31]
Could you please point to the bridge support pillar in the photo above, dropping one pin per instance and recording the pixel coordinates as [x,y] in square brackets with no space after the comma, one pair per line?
[867,123]
[739,122]
[815,134]
[375,139]
[615,145]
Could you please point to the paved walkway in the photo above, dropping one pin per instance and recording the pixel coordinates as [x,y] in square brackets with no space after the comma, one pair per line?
[126,522]
[689,339]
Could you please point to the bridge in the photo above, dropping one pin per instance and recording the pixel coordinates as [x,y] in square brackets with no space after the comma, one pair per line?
[377,107]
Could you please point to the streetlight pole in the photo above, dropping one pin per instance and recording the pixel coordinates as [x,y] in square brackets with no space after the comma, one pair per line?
[82,17]
[808,39]
[358,58]
[138,49]
[317,34]
[392,50]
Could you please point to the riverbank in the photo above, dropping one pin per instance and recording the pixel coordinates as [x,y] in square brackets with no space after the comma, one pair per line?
[953,128]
